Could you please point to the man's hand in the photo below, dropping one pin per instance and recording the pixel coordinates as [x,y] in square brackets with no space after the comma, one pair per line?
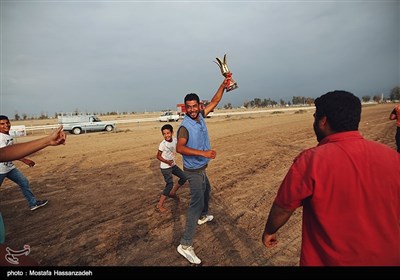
[269,240]
[277,217]
[227,81]
[210,154]
[58,137]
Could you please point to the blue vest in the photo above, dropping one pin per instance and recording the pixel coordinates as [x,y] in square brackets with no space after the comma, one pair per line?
[198,139]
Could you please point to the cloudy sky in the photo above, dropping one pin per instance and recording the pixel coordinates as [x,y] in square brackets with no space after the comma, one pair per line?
[136,56]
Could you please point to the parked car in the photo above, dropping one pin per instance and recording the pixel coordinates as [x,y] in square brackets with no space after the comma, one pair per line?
[169,117]
[82,123]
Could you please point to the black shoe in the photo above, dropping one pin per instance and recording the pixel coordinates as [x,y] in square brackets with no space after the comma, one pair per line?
[39,203]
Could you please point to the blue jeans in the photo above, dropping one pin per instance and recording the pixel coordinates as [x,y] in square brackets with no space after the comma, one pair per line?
[17,177]
[169,181]
[199,195]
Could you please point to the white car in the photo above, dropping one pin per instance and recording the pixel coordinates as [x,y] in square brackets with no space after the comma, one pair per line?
[169,117]
[83,123]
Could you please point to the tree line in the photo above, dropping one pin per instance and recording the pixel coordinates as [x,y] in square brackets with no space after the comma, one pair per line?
[256,102]
[302,100]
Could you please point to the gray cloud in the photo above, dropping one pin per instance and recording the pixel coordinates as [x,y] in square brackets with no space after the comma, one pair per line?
[58,56]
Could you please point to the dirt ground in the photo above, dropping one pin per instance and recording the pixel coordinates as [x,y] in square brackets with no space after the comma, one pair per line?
[103,188]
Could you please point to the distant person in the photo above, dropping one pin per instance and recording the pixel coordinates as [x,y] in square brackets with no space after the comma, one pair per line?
[194,145]
[395,115]
[9,170]
[349,189]
[20,150]
[166,155]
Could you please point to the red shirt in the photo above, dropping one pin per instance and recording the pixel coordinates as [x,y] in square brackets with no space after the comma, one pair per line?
[349,188]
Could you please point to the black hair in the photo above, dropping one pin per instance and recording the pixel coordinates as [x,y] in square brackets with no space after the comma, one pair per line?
[167,126]
[342,110]
[192,96]
[2,117]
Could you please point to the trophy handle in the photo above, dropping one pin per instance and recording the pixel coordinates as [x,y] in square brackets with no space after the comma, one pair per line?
[230,83]
[219,63]
[222,65]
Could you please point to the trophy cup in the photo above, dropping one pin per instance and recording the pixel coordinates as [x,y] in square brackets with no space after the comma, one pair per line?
[226,73]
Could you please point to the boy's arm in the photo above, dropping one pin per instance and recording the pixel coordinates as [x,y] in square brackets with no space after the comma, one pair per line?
[160,158]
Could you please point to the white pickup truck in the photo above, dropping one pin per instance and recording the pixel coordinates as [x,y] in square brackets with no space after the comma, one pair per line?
[77,124]
[169,117]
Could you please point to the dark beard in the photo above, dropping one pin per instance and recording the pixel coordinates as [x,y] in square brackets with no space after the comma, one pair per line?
[318,132]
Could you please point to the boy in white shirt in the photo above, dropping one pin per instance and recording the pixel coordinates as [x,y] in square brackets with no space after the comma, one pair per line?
[9,170]
[166,155]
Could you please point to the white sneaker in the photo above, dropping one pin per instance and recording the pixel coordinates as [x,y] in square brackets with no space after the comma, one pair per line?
[205,219]
[189,254]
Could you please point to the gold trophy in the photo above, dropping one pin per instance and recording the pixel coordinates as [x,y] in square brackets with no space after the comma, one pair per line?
[226,73]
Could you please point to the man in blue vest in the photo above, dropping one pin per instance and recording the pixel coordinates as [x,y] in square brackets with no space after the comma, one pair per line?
[194,145]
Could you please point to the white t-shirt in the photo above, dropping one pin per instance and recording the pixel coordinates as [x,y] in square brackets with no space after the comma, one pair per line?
[168,150]
[6,140]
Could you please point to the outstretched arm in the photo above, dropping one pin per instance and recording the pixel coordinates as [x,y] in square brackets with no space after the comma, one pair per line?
[20,150]
[278,216]
[216,98]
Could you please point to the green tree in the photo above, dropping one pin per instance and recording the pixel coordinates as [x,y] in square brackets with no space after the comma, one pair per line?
[298,100]
[43,116]
[257,102]
[228,106]
[395,93]
[309,101]
[366,98]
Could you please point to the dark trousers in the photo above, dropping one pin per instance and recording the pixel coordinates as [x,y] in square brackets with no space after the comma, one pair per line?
[169,183]
[398,139]
[199,196]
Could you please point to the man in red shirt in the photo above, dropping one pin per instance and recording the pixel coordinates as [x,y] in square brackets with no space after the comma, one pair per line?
[349,188]
[395,115]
